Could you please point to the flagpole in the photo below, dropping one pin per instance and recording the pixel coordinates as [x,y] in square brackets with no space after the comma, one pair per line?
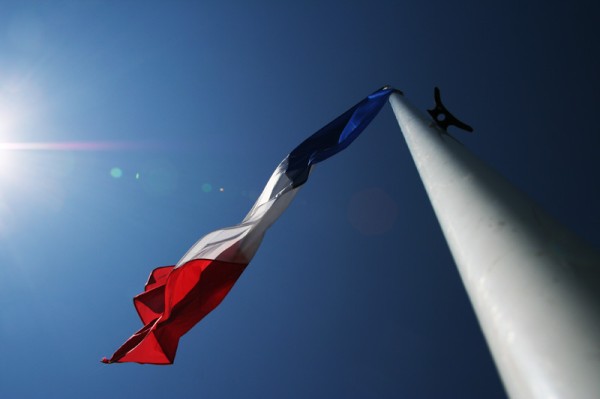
[534,286]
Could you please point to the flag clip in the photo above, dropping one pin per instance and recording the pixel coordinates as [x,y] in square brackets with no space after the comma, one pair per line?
[442,117]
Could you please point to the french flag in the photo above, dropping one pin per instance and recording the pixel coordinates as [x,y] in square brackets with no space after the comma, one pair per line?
[175,298]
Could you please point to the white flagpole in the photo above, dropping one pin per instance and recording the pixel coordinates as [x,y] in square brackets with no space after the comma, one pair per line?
[535,287]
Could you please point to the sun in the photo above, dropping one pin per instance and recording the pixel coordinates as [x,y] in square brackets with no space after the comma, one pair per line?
[19,105]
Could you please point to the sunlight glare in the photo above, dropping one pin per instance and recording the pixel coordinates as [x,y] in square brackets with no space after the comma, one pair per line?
[7,164]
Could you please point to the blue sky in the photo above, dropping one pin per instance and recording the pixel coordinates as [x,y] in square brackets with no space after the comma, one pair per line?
[353,293]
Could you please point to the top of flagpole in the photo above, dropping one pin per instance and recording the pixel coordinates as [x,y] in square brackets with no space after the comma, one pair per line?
[535,286]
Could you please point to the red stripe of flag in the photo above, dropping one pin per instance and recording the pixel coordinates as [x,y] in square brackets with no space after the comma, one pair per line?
[173,302]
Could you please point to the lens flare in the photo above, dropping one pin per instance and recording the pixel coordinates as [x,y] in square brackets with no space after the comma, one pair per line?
[116,172]
[70,146]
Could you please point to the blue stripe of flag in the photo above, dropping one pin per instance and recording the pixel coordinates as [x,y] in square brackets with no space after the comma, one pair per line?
[335,136]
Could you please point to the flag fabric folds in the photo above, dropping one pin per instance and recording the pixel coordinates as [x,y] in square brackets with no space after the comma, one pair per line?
[175,298]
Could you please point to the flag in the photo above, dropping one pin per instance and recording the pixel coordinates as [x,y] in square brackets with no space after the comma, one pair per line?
[177,297]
